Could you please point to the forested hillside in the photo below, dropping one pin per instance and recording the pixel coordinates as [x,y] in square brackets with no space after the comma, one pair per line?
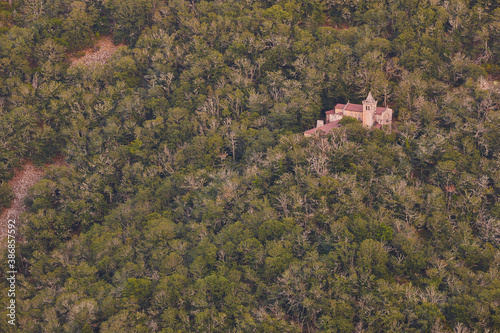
[190,200]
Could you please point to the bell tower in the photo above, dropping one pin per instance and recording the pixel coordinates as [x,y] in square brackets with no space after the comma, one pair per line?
[369,108]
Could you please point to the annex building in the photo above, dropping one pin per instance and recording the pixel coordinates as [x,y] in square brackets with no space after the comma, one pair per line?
[369,113]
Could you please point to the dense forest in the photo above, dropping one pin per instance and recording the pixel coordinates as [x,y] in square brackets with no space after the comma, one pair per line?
[190,201]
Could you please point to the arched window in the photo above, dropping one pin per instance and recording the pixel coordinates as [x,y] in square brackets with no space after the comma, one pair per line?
[367,108]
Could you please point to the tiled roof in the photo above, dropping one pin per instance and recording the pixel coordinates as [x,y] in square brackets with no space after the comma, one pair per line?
[326,128]
[333,112]
[350,107]
[355,108]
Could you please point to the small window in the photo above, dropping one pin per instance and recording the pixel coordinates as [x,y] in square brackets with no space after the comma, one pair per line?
[368,108]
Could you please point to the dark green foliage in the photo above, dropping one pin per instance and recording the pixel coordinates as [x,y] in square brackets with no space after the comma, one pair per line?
[190,200]
[348,120]
[130,17]
[6,195]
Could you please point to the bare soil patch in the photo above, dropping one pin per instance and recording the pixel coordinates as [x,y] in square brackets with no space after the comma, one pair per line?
[22,181]
[492,85]
[98,54]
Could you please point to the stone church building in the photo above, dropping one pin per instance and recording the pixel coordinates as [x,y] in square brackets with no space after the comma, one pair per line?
[369,113]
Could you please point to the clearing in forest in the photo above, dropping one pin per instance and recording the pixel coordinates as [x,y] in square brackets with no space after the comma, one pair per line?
[22,181]
[98,54]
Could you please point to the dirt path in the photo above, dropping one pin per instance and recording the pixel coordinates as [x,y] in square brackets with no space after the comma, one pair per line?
[22,181]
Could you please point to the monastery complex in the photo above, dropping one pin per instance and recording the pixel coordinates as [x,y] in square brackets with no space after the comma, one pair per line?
[369,113]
